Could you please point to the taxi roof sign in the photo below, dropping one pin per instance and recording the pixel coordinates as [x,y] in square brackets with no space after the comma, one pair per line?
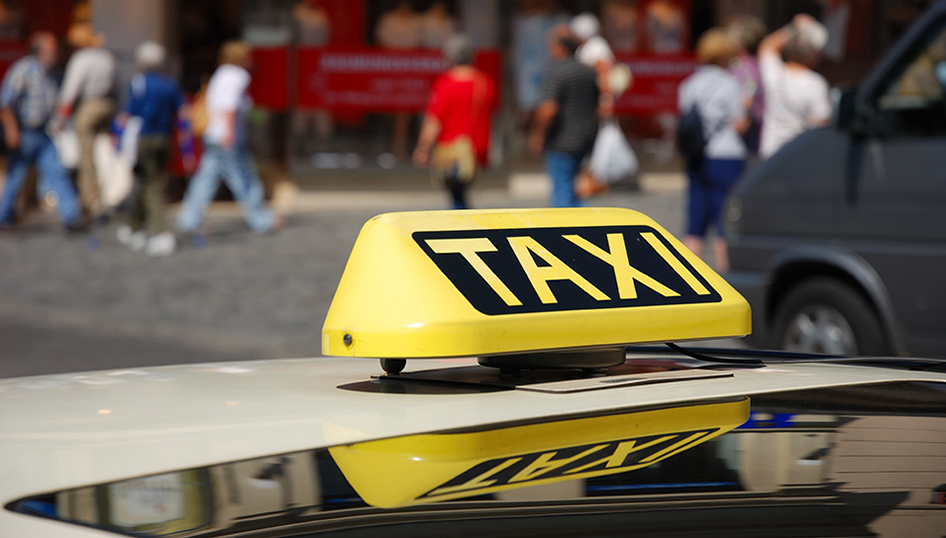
[494,282]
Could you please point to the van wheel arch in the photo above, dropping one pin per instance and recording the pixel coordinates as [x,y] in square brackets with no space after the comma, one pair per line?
[790,278]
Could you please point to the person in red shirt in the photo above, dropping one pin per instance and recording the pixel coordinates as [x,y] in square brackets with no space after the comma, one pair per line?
[454,138]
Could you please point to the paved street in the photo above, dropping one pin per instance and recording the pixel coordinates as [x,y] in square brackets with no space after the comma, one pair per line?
[74,303]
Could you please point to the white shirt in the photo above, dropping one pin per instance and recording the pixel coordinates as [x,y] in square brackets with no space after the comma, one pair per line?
[227,92]
[795,100]
[595,50]
[719,98]
[90,73]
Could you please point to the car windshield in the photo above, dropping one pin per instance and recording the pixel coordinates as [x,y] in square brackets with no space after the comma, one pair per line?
[853,460]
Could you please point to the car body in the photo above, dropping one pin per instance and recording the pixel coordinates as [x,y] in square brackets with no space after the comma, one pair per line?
[853,448]
[507,408]
[839,240]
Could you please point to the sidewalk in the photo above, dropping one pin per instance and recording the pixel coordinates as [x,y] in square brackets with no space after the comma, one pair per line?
[519,189]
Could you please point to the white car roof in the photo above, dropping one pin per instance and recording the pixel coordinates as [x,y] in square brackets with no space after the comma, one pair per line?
[66,431]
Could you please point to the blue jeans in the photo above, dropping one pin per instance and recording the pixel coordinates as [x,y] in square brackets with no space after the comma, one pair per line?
[36,147]
[563,167]
[239,173]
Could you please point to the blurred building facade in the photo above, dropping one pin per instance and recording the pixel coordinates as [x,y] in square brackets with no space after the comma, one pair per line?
[341,84]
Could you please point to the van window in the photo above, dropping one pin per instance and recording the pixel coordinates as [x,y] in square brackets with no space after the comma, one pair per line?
[914,102]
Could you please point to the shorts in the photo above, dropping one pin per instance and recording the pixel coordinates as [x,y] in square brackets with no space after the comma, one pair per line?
[710,183]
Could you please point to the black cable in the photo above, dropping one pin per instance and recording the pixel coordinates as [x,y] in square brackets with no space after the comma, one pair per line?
[706,358]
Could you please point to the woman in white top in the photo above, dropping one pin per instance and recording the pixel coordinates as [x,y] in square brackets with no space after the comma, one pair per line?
[716,94]
[796,97]
[596,54]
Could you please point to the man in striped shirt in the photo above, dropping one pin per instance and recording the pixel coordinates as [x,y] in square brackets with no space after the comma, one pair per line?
[566,121]
[27,103]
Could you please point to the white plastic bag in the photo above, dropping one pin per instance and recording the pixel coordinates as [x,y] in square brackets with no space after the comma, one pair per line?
[116,166]
[612,158]
[115,176]
[67,147]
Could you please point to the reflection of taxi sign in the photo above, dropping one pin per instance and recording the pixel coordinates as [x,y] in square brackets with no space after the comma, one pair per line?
[438,467]
[482,283]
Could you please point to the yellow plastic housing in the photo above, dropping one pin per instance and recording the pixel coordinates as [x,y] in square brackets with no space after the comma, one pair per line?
[478,283]
[426,468]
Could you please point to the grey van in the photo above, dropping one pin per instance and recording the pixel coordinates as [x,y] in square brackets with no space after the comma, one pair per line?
[839,240]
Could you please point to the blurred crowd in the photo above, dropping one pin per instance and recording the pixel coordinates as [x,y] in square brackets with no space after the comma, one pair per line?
[47,121]
[753,92]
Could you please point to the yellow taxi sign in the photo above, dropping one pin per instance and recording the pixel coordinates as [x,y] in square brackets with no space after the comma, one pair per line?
[438,467]
[478,283]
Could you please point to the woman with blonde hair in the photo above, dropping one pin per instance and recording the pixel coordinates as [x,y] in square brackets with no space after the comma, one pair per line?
[712,95]
[228,104]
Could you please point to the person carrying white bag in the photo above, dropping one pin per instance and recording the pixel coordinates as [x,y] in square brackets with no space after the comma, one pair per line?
[613,80]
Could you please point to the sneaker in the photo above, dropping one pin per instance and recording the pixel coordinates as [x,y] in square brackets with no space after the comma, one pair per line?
[279,222]
[162,244]
[136,241]
[124,234]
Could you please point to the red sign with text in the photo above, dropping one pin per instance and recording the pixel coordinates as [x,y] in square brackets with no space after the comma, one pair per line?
[373,79]
[656,79]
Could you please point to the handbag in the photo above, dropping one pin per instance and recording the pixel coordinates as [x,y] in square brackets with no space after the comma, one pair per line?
[453,161]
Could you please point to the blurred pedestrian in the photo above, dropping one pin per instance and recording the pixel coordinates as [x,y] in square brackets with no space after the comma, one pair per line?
[228,105]
[566,120]
[398,29]
[156,100]
[27,104]
[712,94]
[594,52]
[454,138]
[436,26]
[747,31]
[796,97]
[88,89]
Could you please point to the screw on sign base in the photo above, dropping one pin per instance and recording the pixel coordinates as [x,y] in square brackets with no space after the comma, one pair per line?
[393,366]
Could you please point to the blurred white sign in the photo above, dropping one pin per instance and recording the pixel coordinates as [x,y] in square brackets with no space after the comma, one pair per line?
[145,501]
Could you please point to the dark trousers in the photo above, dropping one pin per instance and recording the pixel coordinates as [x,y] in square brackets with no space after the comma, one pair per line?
[147,207]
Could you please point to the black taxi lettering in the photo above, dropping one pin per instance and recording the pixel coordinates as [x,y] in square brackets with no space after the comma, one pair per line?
[554,269]
[571,463]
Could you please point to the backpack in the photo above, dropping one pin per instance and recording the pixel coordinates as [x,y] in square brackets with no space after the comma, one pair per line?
[691,138]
